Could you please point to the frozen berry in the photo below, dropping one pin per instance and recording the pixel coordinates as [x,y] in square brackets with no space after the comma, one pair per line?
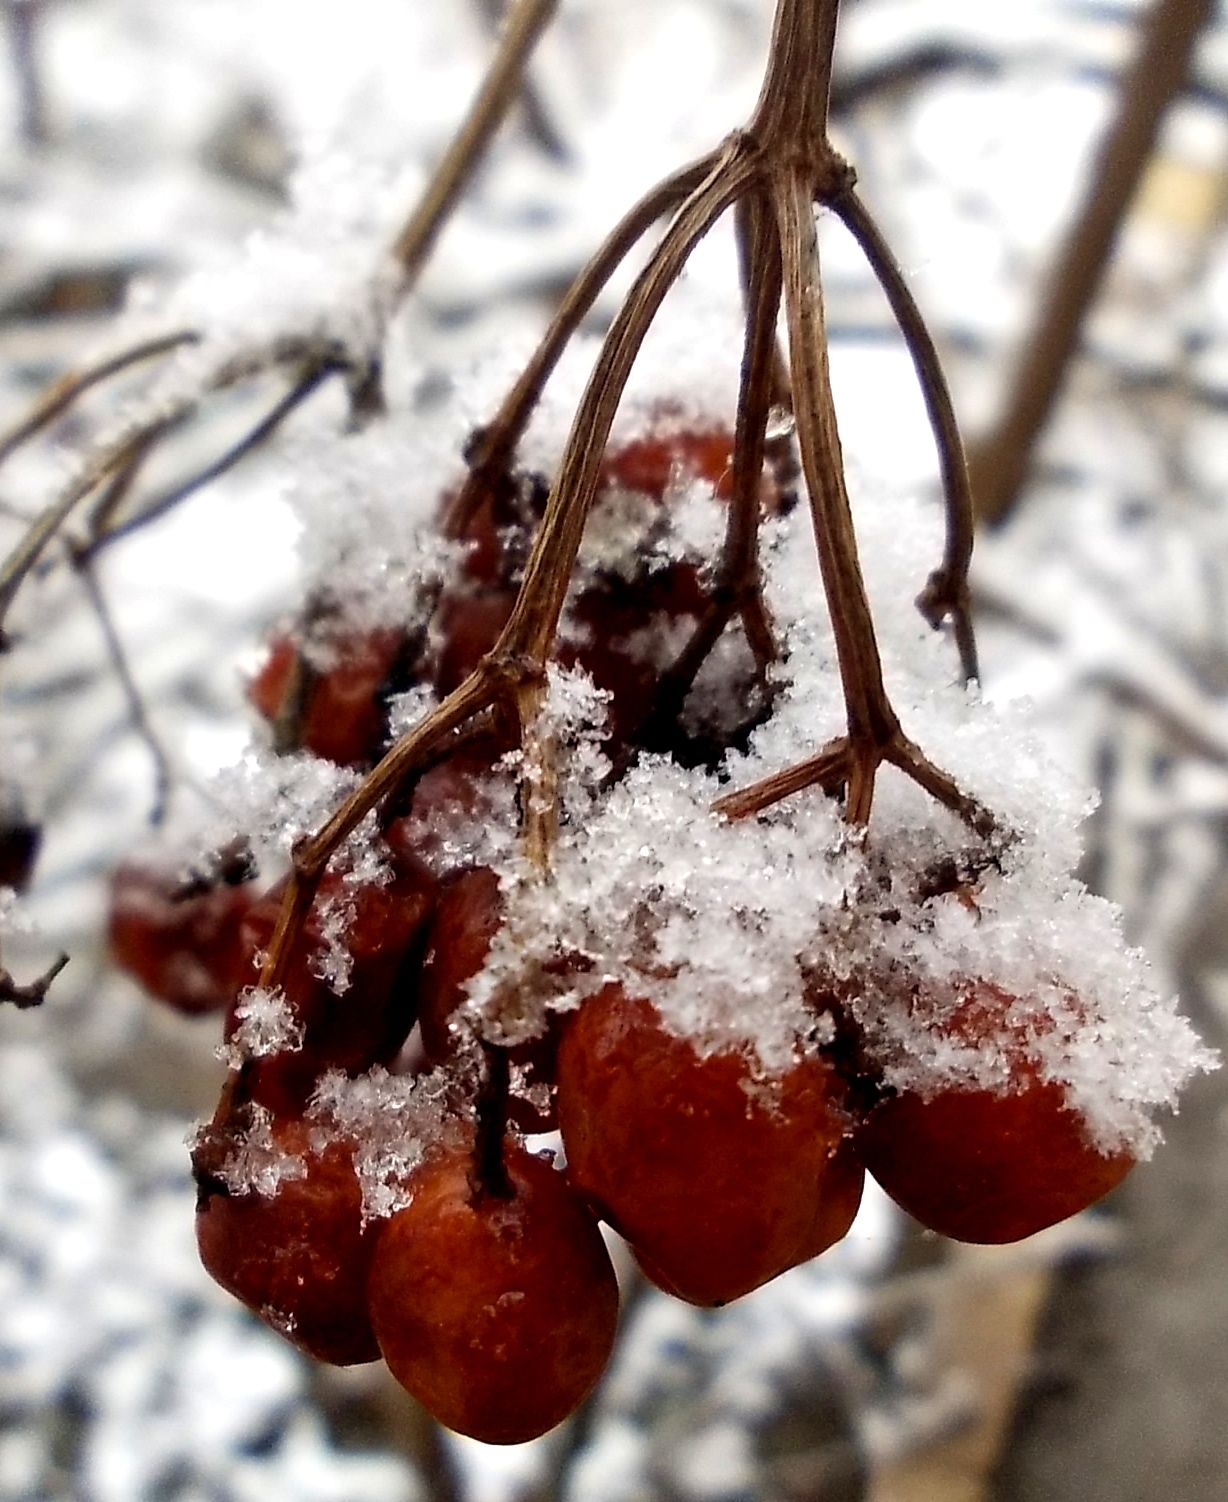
[497,1313]
[718,1179]
[180,939]
[298,1257]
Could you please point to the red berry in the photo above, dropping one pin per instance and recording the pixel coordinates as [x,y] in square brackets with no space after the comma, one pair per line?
[466,921]
[987,1165]
[469,624]
[497,1314]
[299,1258]
[182,942]
[367,1023]
[650,463]
[340,712]
[717,1180]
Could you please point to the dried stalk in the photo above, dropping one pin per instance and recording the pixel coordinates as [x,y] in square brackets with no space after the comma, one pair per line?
[775,171]
[409,251]
[1000,462]
[945,595]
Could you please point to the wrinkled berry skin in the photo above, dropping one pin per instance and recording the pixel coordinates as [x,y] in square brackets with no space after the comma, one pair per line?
[987,1168]
[718,1183]
[298,1258]
[497,1314]
[183,946]
[339,714]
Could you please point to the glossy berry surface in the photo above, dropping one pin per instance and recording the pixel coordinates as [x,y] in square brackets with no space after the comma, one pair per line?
[298,1258]
[985,1165]
[497,1314]
[183,944]
[982,1167]
[718,1183]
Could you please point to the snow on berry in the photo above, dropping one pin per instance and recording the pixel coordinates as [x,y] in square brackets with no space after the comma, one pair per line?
[265,1025]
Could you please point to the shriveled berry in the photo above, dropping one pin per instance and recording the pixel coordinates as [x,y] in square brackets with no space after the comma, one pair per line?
[497,1314]
[299,1257]
[181,941]
[719,1181]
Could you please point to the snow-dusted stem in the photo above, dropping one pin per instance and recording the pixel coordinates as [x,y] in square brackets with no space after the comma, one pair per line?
[64,392]
[945,595]
[872,723]
[531,630]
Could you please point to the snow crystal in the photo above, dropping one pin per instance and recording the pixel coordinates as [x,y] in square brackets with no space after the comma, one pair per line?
[258,1162]
[265,1025]
[395,1122]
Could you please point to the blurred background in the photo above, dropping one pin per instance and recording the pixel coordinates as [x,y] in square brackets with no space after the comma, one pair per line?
[1054,178]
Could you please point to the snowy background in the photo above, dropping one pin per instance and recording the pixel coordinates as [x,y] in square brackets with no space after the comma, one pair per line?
[152,138]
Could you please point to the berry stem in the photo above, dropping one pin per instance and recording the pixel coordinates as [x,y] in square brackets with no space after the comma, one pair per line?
[871,720]
[945,595]
[519,35]
[490,1169]
[494,445]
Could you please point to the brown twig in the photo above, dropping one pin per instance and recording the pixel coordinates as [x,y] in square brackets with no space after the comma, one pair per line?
[525,23]
[999,463]
[537,119]
[491,454]
[409,251]
[945,595]
[61,396]
[132,693]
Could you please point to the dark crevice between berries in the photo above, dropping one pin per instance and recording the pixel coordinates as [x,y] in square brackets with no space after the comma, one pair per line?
[490,1176]
[19,847]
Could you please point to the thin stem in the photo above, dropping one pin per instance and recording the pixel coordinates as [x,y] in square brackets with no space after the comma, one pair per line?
[494,446]
[490,1169]
[871,720]
[60,396]
[1000,463]
[304,387]
[534,619]
[827,770]
[738,590]
[946,592]
[123,671]
[499,90]
[536,117]
[26,554]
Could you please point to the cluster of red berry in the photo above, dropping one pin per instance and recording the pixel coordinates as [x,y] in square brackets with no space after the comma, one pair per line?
[489,1291]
